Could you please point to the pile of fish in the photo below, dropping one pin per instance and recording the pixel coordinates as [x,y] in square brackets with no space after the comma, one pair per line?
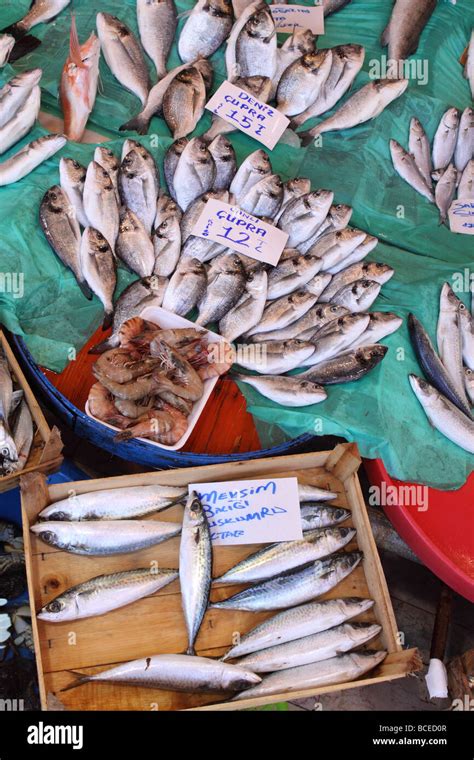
[450,162]
[447,393]
[16,423]
[147,385]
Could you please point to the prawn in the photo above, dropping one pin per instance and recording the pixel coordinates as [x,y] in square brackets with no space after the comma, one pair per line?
[122,367]
[101,405]
[176,375]
[131,409]
[153,423]
[180,425]
[134,390]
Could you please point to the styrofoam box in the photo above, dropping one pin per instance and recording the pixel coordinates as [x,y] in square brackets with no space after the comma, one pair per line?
[167,320]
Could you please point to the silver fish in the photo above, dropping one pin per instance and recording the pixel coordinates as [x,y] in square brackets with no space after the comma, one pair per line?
[72,176]
[347,367]
[61,228]
[346,667]
[444,143]
[29,157]
[359,253]
[23,434]
[381,324]
[194,174]
[419,147]
[315,515]
[206,28]
[300,42]
[404,29]
[317,284]
[248,310]
[8,452]
[445,192]
[443,415]
[123,55]
[358,296]
[194,210]
[302,216]
[258,86]
[109,161]
[22,120]
[225,161]
[283,311]
[469,381]
[186,287]
[372,271]
[293,188]
[184,101]
[41,11]
[335,247]
[170,162]
[287,391]
[7,43]
[134,246]
[139,184]
[337,219]
[304,327]
[105,593]
[100,203]
[264,198]
[195,567]
[275,357]
[464,150]
[469,67]
[252,44]
[332,339]
[293,588]
[6,388]
[450,338]
[466,184]
[303,81]
[254,168]
[15,92]
[406,166]
[157,22]
[167,245]
[166,207]
[467,335]
[226,283]
[104,538]
[98,268]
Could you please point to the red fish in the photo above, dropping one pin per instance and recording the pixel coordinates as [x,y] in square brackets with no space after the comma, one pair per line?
[79,80]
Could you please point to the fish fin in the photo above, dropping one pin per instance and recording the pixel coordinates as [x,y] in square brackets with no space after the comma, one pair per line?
[185,14]
[24,46]
[191,651]
[86,291]
[306,138]
[385,36]
[137,124]
[80,679]
[107,320]
[75,45]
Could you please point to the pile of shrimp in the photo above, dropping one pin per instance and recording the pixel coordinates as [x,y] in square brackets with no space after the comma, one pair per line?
[147,386]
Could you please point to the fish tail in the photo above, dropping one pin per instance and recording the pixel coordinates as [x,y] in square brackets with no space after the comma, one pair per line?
[138,124]
[23,46]
[86,291]
[104,345]
[107,320]
[17,30]
[74,45]
[190,650]
[80,679]
[307,137]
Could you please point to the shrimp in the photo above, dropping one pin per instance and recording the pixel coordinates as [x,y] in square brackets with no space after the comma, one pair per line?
[131,409]
[121,367]
[215,360]
[134,390]
[182,404]
[180,338]
[180,425]
[176,375]
[152,424]
[137,332]
[101,405]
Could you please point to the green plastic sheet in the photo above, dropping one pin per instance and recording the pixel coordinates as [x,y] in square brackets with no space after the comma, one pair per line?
[380,411]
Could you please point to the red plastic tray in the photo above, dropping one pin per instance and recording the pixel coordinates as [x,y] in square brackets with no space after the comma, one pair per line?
[443,535]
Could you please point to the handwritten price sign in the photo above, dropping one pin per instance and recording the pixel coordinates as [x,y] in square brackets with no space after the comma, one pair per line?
[240,231]
[461,216]
[239,108]
[287,17]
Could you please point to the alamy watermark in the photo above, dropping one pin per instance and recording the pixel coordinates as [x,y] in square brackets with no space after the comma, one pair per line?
[12,283]
[388,495]
[388,68]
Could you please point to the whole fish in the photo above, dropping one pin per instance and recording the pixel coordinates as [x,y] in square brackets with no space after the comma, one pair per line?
[41,11]
[15,92]
[300,42]
[248,310]
[337,219]
[377,272]
[72,176]
[302,216]
[469,67]
[443,415]
[157,22]
[347,367]
[100,203]
[359,253]
[274,357]
[104,538]
[186,287]
[78,85]
[449,338]
[381,324]
[195,567]
[254,168]
[335,247]
[315,516]
[445,192]
[467,335]
[194,174]
[287,391]
[166,207]
[22,120]
[109,161]
[346,667]
[139,184]
[304,327]
[105,593]
[170,162]
[252,44]
[287,555]
[226,283]
[175,672]
[206,28]
[332,339]
[317,284]
[225,162]
[366,104]
[406,166]
[201,248]
[123,55]
[404,29]
[444,143]
[259,87]
[6,388]
[264,198]
[332,6]
[61,228]
[419,147]
[358,296]
[184,101]
[8,453]
[297,623]
[466,184]
[302,82]
[29,157]
[7,43]
[167,246]
[469,379]
[134,246]
[292,189]
[283,311]
[431,364]
[316,648]
[98,268]
[293,588]
[464,150]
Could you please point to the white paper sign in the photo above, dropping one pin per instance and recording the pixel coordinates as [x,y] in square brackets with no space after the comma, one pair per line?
[251,511]
[287,17]
[461,216]
[241,109]
[240,231]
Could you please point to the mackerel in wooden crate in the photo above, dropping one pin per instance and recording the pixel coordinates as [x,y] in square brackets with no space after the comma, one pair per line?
[155,625]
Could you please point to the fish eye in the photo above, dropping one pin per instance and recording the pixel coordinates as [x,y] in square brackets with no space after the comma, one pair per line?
[60,516]
[47,535]
[5,451]
[54,606]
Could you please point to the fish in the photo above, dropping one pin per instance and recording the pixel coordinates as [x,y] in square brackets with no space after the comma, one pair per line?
[274,357]
[194,174]
[449,337]
[292,189]
[248,310]
[130,304]
[275,559]
[469,380]
[444,142]
[139,183]
[22,120]
[166,207]
[100,203]
[337,219]
[157,22]
[420,149]
[443,415]
[403,32]
[258,86]
[405,165]
[184,101]
[134,246]
[359,253]
[201,248]
[8,451]
[332,339]
[174,672]
[283,311]
[104,538]
[109,161]
[467,335]
[195,567]
[206,28]
[6,388]
[105,593]
[295,587]
[61,228]
[78,84]
[254,168]
[226,283]
[332,6]
[302,216]
[381,324]
[98,268]
[335,247]
[14,93]
[346,367]
[114,503]
[315,516]
[72,176]
[358,296]
[7,42]
[123,55]
[23,433]
[167,245]
[225,161]
[469,67]
[466,184]
[287,391]
[297,623]
[317,284]
[300,42]
[170,162]
[304,327]
[252,44]
[30,157]
[375,271]
[347,61]
[302,82]
[186,287]
[264,198]
[337,670]
[464,150]
[445,192]
[307,492]
[432,365]
[40,12]
[365,104]
[315,648]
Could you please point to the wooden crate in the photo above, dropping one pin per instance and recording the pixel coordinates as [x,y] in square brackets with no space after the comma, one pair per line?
[45,455]
[155,625]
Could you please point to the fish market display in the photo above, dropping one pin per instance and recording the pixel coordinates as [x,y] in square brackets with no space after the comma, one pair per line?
[123,55]
[252,44]
[78,87]
[404,29]
[16,423]
[98,267]
[29,157]
[157,21]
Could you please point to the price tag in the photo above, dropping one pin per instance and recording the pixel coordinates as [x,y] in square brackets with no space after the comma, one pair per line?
[240,231]
[461,216]
[241,109]
[287,17]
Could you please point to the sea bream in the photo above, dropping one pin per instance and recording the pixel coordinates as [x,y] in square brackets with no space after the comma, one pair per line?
[403,32]
[449,338]
[123,55]
[248,310]
[167,246]
[14,93]
[300,42]
[100,203]
[139,182]
[157,22]
[207,26]
[29,157]
[253,169]
[78,85]
[303,215]
[302,82]
[41,12]
[184,101]
[186,287]
[195,173]
[22,120]
[72,176]
[109,161]
[252,44]
[333,339]
[283,311]
[133,244]
[98,268]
